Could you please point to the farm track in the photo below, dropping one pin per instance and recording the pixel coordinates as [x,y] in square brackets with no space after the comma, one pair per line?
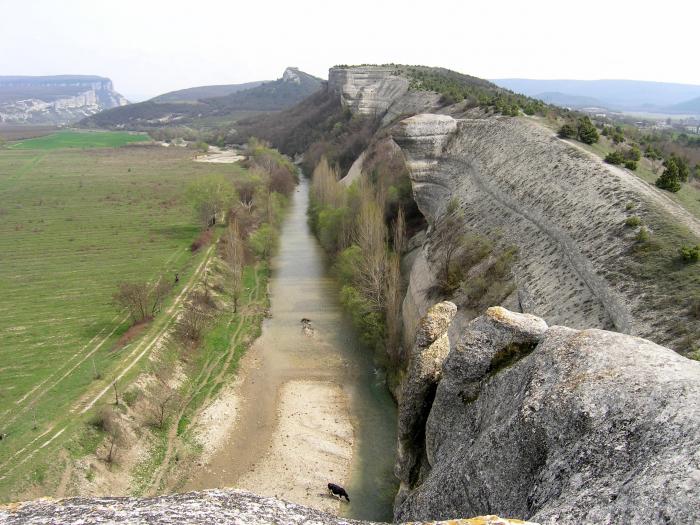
[73,223]
[23,410]
[82,405]
[202,380]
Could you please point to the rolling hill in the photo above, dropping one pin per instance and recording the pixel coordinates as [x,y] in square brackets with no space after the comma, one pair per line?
[689,106]
[200,92]
[172,109]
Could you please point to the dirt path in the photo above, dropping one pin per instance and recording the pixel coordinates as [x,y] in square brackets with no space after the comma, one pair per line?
[170,316]
[85,403]
[655,195]
[203,379]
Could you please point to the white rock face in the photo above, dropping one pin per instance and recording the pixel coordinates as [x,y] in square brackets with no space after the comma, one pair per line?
[54,100]
[291,74]
[367,90]
[223,507]
[564,211]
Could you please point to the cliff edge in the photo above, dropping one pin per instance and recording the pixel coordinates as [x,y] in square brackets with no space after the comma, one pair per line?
[551,424]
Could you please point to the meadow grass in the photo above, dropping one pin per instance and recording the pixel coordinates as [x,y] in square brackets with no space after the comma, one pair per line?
[80,139]
[73,223]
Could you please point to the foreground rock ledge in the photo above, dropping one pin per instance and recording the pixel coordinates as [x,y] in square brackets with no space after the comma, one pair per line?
[551,424]
[228,506]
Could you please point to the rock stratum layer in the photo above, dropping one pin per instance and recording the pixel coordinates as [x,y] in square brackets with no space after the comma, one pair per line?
[564,211]
[55,100]
[550,424]
[224,507]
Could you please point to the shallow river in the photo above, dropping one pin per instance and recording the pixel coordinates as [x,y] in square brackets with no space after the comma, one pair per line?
[301,287]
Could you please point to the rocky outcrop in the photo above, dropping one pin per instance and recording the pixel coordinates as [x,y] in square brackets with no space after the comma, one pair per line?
[224,507]
[429,352]
[378,91]
[55,100]
[560,426]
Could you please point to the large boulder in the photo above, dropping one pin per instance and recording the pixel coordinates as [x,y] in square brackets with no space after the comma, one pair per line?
[560,426]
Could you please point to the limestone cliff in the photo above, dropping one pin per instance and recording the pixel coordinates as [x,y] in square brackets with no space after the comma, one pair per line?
[563,209]
[519,416]
[55,100]
[554,425]
[378,90]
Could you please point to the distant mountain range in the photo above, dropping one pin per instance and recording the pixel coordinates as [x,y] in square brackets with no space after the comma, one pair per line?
[197,105]
[617,95]
[57,100]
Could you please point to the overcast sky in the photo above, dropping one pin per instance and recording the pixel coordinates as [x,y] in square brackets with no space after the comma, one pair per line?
[149,47]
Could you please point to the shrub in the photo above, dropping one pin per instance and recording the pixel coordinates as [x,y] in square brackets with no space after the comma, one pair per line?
[567,131]
[634,153]
[141,300]
[130,396]
[282,180]
[368,321]
[586,131]
[630,165]
[263,240]
[614,157]
[633,221]
[203,239]
[695,307]
[690,254]
[629,206]
[642,235]
[192,321]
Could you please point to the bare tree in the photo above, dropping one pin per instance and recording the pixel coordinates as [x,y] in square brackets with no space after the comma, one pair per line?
[140,300]
[234,255]
[448,237]
[109,421]
[164,398]
[400,232]
[393,308]
[193,320]
[371,237]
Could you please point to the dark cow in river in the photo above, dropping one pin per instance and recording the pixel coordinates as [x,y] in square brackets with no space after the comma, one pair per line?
[337,490]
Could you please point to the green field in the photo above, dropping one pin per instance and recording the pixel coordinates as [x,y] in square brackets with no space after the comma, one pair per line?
[72,224]
[80,139]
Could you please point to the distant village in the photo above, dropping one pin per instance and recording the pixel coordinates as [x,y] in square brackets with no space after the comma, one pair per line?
[685,124]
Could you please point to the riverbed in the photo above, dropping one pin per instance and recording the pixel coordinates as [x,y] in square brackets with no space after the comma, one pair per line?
[309,406]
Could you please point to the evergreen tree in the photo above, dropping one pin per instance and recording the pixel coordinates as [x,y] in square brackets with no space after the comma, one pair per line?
[586,131]
[670,178]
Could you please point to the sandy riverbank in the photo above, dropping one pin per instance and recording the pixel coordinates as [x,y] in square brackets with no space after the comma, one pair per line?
[311,446]
[220,156]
